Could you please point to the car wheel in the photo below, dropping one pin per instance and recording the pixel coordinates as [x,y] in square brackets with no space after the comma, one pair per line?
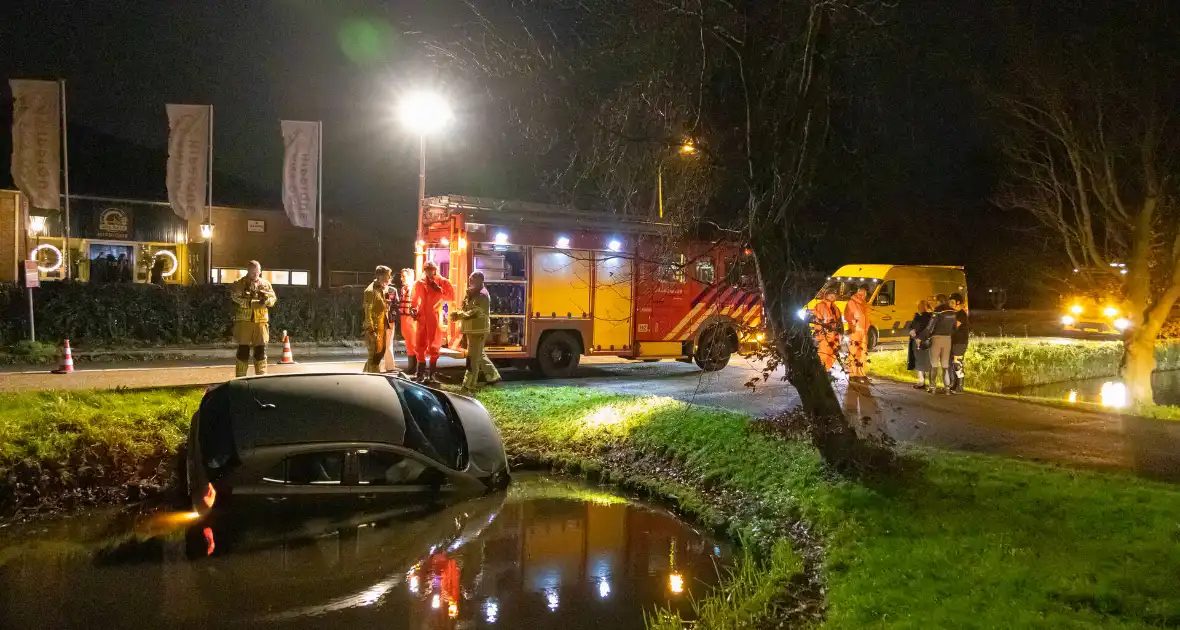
[558,355]
[713,351]
[874,337]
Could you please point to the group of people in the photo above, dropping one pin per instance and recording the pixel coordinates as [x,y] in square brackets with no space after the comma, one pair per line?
[939,333]
[416,307]
[829,326]
[110,269]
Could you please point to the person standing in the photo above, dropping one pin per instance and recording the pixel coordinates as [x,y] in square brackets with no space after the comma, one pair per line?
[158,271]
[407,314]
[430,293]
[918,357]
[856,316]
[959,340]
[827,325]
[376,313]
[392,312]
[252,297]
[938,332]
[475,324]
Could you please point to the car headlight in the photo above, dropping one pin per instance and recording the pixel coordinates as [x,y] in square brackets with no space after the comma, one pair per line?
[1068,320]
[801,313]
[1122,323]
[1076,309]
[760,337]
[1110,311]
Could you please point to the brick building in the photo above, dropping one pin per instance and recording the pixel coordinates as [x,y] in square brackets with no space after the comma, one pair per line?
[120,239]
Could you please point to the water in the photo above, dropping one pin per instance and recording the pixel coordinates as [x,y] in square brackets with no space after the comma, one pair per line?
[1165,390]
[547,554]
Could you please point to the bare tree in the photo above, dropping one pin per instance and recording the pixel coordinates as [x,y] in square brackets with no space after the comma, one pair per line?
[1091,149]
[609,91]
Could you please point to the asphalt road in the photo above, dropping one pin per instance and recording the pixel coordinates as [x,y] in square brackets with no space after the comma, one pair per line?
[965,422]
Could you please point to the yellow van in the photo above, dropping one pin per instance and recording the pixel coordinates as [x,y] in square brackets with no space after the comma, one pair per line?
[894,292]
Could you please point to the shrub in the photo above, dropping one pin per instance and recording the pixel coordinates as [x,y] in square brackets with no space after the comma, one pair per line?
[122,314]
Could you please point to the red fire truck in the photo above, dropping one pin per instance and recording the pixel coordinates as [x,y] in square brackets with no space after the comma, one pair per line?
[566,283]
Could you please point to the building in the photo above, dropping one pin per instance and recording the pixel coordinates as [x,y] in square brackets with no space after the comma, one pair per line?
[121,239]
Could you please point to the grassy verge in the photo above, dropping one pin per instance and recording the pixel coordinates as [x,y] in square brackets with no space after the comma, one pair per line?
[967,541]
[63,450]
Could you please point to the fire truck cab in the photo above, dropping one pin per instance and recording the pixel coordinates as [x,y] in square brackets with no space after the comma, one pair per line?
[566,283]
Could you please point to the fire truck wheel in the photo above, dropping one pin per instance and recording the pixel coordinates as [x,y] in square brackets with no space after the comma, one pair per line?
[558,355]
[713,349]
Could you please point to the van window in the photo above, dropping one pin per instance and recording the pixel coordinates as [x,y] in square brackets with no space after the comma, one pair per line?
[322,468]
[886,296]
[844,288]
[385,468]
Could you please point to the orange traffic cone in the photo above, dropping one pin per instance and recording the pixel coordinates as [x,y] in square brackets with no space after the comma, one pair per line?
[67,362]
[287,358]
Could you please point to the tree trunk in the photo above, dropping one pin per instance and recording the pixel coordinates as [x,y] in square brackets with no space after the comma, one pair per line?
[831,431]
[1138,364]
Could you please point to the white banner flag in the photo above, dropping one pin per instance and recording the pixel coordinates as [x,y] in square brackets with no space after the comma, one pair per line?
[301,164]
[188,159]
[36,141]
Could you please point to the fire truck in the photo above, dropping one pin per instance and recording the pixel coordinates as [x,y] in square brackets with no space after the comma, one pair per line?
[566,283]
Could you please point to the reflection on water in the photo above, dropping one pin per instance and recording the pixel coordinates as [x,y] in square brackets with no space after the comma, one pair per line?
[549,553]
[1107,391]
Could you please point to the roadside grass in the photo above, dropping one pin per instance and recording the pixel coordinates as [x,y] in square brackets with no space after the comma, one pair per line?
[965,541]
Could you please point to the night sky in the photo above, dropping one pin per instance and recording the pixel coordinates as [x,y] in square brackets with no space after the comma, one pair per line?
[909,181]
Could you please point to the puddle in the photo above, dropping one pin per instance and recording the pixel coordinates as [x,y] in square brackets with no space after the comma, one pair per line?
[1108,391]
[549,553]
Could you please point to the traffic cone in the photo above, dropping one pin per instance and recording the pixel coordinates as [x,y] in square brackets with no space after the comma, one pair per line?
[287,358]
[67,362]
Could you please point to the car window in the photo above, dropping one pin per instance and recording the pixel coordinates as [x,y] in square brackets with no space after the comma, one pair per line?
[432,428]
[385,468]
[323,468]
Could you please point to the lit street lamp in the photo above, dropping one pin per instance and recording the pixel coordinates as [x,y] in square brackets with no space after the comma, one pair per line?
[207,234]
[688,148]
[423,113]
[36,224]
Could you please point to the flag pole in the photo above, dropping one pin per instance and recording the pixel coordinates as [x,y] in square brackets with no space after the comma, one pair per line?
[319,209]
[65,153]
[209,201]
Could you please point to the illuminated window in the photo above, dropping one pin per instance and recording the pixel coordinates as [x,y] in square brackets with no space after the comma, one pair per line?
[706,272]
[277,277]
[299,278]
[671,269]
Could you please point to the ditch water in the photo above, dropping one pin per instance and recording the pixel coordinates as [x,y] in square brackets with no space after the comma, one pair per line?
[548,553]
[1108,391]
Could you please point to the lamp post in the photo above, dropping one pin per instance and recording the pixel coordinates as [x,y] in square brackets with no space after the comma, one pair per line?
[688,148]
[207,234]
[423,113]
[36,226]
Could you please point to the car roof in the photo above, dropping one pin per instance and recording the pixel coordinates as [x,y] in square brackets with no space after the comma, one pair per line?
[347,407]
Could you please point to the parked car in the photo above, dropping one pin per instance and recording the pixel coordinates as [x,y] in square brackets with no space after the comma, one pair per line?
[332,440]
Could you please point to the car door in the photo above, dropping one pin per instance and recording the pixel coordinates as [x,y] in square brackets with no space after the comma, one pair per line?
[389,474]
[309,478]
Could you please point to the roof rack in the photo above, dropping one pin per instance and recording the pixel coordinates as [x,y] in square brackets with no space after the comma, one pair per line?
[507,212]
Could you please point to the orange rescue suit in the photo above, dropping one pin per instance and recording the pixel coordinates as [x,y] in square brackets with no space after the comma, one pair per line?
[429,296]
[856,314]
[827,326]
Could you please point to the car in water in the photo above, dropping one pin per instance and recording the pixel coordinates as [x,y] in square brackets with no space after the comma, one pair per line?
[319,441]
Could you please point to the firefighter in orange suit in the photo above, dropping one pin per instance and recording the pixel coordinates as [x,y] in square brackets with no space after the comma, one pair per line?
[856,315]
[252,297]
[827,326]
[376,313]
[430,292]
[406,312]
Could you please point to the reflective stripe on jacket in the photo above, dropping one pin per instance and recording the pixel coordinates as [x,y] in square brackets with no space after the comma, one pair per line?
[251,300]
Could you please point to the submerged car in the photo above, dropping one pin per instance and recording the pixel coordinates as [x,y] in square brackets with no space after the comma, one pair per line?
[337,440]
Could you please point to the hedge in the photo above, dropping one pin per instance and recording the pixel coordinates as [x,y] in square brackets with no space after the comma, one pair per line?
[127,314]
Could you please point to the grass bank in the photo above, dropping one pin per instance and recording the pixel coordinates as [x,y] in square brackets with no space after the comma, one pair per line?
[965,541]
[64,450]
[1004,365]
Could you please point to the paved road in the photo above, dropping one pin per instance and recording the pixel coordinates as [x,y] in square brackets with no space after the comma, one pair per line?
[966,422]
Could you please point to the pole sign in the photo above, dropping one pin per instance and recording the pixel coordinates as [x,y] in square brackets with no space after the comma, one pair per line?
[32,274]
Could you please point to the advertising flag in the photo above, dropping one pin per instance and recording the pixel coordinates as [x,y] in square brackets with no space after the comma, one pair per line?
[188,159]
[301,163]
[36,141]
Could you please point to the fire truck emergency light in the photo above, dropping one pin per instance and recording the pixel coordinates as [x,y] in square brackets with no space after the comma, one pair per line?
[615,245]
[563,242]
[501,238]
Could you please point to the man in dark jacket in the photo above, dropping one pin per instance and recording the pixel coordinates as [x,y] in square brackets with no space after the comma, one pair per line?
[959,340]
[938,332]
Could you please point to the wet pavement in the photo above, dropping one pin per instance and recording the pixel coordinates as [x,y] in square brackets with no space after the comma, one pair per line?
[549,553]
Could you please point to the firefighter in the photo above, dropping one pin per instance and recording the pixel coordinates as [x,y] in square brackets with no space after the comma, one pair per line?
[827,326]
[474,322]
[430,293]
[406,311]
[376,313]
[252,297]
[856,314]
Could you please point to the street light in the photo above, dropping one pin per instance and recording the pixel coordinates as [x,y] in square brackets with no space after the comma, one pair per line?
[207,231]
[36,224]
[686,148]
[423,113]
[207,234]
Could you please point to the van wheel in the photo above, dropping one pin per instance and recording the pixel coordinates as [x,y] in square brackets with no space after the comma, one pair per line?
[558,355]
[874,337]
[713,351]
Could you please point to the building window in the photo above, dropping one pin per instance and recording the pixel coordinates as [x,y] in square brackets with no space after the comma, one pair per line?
[277,277]
[282,277]
[299,278]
